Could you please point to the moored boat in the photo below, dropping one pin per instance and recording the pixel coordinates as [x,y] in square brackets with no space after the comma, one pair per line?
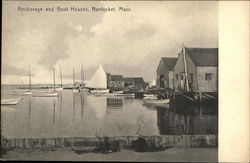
[98,82]
[150,97]
[53,94]
[158,103]
[11,101]
[126,94]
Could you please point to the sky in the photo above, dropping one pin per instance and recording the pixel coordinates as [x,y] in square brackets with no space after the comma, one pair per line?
[127,43]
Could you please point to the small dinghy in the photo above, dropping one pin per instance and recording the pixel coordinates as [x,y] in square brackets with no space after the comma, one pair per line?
[11,101]
[157,103]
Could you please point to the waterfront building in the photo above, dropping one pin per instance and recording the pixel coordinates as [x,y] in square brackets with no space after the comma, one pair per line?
[199,68]
[165,73]
[115,81]
[135,82]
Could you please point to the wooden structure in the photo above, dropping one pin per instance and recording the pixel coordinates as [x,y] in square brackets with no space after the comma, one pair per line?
[165,73]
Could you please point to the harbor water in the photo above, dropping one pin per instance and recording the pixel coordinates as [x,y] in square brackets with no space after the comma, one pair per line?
[82,115]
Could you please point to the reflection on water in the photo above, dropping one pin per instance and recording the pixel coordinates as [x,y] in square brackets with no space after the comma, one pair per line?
[81,115]
[188,120]
[115,103]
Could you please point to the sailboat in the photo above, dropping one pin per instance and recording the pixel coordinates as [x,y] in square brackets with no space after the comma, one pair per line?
[74,89]
[28,92]
[82,89]
[48,94]
[153,83]
[98,82]
[61,85]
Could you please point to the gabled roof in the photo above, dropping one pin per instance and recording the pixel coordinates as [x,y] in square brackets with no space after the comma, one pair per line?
[136,80]
[169,62]
[116,77]
[204,57]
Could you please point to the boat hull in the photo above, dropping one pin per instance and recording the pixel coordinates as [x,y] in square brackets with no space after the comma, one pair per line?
[46,95]
[13,101]
[100,91]
[158,103]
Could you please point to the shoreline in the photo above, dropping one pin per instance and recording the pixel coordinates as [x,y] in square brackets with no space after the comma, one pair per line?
[169,155]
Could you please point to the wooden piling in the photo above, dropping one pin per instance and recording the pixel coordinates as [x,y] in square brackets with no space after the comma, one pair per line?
[200,96]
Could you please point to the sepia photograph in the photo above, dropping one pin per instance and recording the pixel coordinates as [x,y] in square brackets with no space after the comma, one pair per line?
[110,81]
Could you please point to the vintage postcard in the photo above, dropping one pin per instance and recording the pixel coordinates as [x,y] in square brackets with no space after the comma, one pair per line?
[110,81]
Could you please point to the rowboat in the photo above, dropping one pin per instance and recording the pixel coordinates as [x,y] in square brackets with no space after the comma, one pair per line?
[157,103]
[11,101]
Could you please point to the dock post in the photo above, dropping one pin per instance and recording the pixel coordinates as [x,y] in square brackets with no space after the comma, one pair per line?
[200,96]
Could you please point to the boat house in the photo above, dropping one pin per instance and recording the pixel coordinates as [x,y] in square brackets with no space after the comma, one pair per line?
[199,68]
[115,81]
[165,73]
[135,82]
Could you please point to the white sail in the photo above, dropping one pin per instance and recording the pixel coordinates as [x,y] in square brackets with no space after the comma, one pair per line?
[153,83]
[99,79]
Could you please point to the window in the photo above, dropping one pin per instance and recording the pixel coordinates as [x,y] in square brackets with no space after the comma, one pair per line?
[182,77]
[208,76]
[177,77]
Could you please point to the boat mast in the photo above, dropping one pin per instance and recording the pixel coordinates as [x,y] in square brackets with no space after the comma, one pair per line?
[54,79]
[82,75]
[29,79]
[185,66]
[61,74]
[73,76]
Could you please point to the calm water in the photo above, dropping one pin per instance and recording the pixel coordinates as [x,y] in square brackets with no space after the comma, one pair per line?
[82,115]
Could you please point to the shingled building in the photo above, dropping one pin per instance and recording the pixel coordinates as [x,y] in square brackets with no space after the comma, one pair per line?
[165,73]
[201,68]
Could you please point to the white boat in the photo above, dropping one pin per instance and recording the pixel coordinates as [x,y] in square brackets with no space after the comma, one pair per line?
[100,91]
[153,83]
[126,94]
[27,93]
[98,81]
[53,94]
[118,92]
[59,89]
[75,90]
[43,91]
[149,97]
[11,101]
[158,103]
